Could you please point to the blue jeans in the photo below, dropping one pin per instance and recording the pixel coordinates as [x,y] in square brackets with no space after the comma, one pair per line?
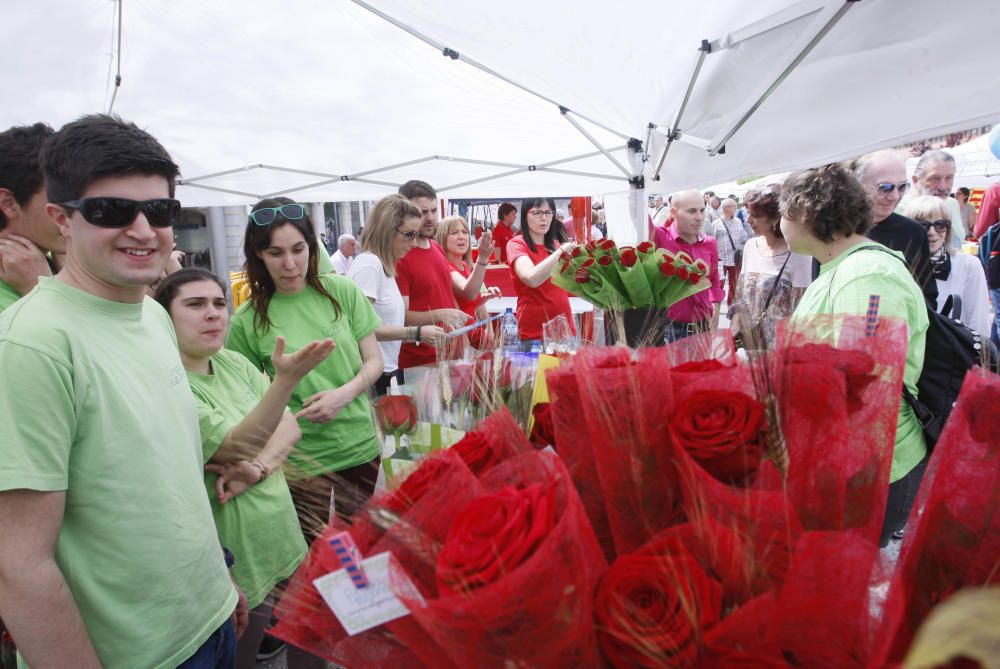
[995,330]
[218,652]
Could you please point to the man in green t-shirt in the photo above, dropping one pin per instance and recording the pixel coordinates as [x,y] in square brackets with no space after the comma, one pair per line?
[108,552]
[27,232]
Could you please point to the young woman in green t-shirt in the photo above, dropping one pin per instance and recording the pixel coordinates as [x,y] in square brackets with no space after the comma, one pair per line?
[825,213]
[338,454]
[246,433]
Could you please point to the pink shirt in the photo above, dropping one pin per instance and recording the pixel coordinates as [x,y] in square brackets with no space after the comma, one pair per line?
[698,307]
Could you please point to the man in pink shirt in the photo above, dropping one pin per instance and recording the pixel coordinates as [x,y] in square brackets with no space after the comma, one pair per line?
[700,312]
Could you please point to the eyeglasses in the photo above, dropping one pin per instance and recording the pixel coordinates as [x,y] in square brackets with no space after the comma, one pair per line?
[886,188]
[119,212]
[409,236]
[542,213]
[266,216]
[940,226]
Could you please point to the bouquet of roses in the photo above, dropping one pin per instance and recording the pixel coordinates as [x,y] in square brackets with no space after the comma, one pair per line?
[628,278]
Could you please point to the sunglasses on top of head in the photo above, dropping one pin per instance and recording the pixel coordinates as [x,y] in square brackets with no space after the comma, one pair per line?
[267,215]
[941,226]
[886,188]
[120,212]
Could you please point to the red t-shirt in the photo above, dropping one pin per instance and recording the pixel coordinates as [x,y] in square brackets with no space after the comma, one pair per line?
[536,306]
[424,275]
[501,235]
[480,337]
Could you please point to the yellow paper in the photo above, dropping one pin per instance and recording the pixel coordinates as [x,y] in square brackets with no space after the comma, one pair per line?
[967,624]
[541,391]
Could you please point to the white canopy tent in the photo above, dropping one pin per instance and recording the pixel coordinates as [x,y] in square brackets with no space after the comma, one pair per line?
[349,99]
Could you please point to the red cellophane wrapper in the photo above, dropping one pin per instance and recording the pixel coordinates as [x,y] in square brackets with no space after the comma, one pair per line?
[627,407]
[823,616]
[410,523]
[574,442]
[839,408]
[955,541]
[516,574]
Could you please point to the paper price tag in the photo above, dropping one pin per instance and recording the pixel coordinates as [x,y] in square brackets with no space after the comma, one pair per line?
[361,609]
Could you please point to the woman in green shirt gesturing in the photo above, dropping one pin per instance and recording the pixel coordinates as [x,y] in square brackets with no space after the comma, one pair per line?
[246,434]
[825,213]
[338,454]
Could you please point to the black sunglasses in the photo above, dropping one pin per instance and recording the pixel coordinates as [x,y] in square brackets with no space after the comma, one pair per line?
[120,212]
[941,226]
[266,216]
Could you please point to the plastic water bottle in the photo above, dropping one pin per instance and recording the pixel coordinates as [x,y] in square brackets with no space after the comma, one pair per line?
[508,328]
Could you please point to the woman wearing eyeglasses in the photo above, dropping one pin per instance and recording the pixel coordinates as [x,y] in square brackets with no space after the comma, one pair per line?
[391,231]
[957,274]
[825,213]
[532,256]
[338,451]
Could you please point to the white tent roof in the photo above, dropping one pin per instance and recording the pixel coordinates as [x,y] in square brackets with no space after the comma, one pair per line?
[333,89]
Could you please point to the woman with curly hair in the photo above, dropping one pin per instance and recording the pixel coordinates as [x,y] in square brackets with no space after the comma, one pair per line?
[825,213]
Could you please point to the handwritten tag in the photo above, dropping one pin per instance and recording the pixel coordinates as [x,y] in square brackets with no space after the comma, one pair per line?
[361,609]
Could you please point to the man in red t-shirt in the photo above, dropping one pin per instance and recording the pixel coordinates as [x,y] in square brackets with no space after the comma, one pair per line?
[424,279]
[504,230]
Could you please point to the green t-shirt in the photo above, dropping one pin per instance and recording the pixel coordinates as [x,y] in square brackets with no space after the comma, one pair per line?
[844,286]
[259,526]
[349,439]
[8,296]
[94,403]
[323,263]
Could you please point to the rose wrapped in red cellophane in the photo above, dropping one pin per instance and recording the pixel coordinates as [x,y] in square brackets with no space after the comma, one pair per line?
[953,536]
[517,573]
[542,431]
[722,431]
[839,408]
[651,611]
[409,522]
[713,349]
[627,410]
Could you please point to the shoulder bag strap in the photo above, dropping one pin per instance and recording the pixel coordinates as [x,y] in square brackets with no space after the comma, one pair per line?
[774,286]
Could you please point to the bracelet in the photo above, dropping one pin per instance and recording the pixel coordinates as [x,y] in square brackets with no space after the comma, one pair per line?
[264,470]
[417,339]
[410,333]
[482,264]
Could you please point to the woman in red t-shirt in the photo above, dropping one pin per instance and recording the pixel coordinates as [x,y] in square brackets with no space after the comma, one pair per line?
[532,256]
[453,236]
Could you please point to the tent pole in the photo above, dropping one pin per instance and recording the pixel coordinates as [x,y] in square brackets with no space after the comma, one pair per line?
[566,115]
[190,182]
[582,174]
[673,134]
[828,18]
[217,189]
[454,55]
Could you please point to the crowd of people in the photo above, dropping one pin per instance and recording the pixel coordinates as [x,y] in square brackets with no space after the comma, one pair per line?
[186,456]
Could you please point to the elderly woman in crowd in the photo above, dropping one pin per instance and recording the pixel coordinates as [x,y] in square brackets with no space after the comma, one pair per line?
[959,276]
[825,213]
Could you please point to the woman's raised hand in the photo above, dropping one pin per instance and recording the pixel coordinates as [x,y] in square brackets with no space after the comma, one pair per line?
[296,365]
[486,247]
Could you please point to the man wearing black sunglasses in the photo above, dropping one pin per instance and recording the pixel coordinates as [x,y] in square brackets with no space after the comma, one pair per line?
[883,175]
[108,551]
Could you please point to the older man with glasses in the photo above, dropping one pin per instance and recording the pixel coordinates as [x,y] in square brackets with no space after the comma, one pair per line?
[883,175]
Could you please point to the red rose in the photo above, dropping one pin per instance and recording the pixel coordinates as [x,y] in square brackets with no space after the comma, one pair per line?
[476,452]
[646,247]
[667,269]
[397,414]
[684,258]
[721,430]
[587,263]
[606,244]
[582,275]
[591,245]
[543,431]
[858,367]
[701,265]
[628,256]
[576,251]
[605,261]
[462,376]
[694,278]
[699,366]
[668,260]
[494,535]
[564,267]
[650,611]
[416,485]
[682,273]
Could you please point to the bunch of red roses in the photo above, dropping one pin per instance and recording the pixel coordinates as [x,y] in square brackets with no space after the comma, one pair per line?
[630,277]
[663,534]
